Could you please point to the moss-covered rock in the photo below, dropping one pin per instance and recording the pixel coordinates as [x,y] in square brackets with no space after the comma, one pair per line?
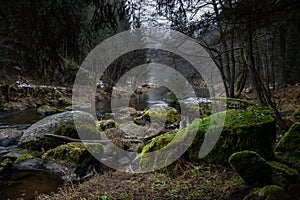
[288,148]
[107,124]
[6,163]
[282,175]
[250,129]
[269,192]
[47,110]
[296,115]
[251,167]
[161,115]
[75,155]
[35,137]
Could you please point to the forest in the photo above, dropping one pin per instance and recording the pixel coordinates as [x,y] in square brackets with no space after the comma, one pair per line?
[133,130]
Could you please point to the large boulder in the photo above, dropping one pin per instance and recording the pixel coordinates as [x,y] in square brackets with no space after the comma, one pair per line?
[269,192]
[288,148]
[251,167]
[251,129]
[37,137]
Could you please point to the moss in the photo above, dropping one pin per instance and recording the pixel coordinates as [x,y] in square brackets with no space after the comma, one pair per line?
[269,192]
[250,129]
[288,148]
[283,175]
[24,157]
[251,167]
[160,114]
[296,115]
[283,169]
[107,124]
[63,101]
[42,143]
[68,130]
[5,166]
[154,145]
[6,163]
[73,154]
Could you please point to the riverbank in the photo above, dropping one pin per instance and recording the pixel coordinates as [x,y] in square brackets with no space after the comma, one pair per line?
[206,181]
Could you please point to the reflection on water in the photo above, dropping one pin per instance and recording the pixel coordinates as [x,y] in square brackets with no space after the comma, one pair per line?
[19,119]
[26,185]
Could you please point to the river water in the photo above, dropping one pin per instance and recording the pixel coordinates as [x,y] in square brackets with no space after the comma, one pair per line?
[26,185]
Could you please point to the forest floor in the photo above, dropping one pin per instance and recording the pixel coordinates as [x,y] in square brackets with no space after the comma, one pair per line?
[181,180]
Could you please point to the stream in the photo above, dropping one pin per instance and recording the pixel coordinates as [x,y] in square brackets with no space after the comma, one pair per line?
[26,185]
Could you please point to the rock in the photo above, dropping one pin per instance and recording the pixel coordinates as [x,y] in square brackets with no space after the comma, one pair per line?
[29,164]
[74,155]
[161,115]
[269,192]
[250,129]
[288,148]
[6,163]
[282,175]
[9,137]
[59,124]
[251,167]
[296,115]
[46,110]
[64,101]
[107,124]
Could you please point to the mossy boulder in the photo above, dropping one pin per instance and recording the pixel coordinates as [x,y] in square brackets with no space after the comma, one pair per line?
[251,129]
[251,167]
[269,192]
[35,137]
[282,175]
[74,155]
[288,148]
[46,110]
[161,115]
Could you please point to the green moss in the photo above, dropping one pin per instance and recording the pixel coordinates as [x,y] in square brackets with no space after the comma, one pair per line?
[63,101]
[288,148]
[250,129]
[68,130]
[251,167]
[72,154]
[42,143]
[24,157]
[269,192]
[297,115]
[283,169]
[160,114]
[6,163]
[5,166]
[107,124]
[283,175]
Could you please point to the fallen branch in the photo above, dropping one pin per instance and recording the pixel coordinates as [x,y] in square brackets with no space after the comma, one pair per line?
[68,139]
